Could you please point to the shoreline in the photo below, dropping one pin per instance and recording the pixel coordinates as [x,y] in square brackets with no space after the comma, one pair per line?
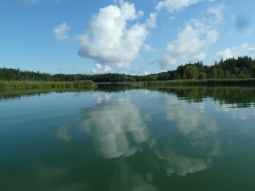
[44,85]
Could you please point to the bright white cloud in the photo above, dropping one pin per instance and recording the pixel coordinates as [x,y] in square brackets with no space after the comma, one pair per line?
[149,48]
[109,41]
[175,5]
[188,46]
[146,73]
[251,51]
[231,52]
[151,22]
[30,2]
[101,69]
[60,32]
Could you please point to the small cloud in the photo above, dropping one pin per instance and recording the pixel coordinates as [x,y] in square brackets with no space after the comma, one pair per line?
[148,48]
[73,68]
[217,10]
[151,22]
[30,2]
[175,5]
[146,73]
[60,69]
[140,14]
[60,31]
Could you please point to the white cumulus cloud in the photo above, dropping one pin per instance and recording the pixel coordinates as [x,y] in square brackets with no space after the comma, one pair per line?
[175,5]
[231,52]
[188,46]
[101,69]
[60,32]
[108,41]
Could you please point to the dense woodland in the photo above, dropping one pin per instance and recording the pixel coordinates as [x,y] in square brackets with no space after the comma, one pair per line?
[242,67]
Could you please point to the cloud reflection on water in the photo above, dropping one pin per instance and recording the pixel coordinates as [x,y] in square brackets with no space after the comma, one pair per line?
[108,124]
[114,116]
[190,117]
[234,110]
[62,132]
[180,165]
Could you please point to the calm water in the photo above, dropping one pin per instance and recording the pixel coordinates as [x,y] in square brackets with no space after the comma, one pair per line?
[135,139]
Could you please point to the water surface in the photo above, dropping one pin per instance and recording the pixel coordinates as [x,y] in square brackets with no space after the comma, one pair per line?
[118,138]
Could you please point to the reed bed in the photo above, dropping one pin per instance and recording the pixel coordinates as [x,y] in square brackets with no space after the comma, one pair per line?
[18,93]
[44,85]
[205,82]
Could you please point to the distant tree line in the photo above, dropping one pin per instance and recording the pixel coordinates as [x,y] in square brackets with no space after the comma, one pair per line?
[242,67]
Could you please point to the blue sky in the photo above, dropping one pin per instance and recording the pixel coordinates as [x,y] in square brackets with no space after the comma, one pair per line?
[132,37]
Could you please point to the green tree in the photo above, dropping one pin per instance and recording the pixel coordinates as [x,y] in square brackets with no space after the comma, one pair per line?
[191,72]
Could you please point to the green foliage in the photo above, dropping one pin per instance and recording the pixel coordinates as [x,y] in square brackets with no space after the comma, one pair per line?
[210,82]
[43,85]
[242,67]
[191,72]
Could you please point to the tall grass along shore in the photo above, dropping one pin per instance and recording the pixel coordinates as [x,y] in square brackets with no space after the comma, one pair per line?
[206,82]
[42,85]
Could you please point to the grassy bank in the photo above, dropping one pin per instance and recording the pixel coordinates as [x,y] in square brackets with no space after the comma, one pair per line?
[206,82]
[44,85]
[18,93]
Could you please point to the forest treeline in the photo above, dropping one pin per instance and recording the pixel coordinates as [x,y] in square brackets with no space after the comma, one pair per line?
[242,67]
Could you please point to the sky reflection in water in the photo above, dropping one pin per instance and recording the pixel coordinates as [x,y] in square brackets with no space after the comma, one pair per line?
[132,140]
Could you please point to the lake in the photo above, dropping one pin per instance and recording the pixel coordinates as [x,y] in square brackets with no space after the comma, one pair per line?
[120,137]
